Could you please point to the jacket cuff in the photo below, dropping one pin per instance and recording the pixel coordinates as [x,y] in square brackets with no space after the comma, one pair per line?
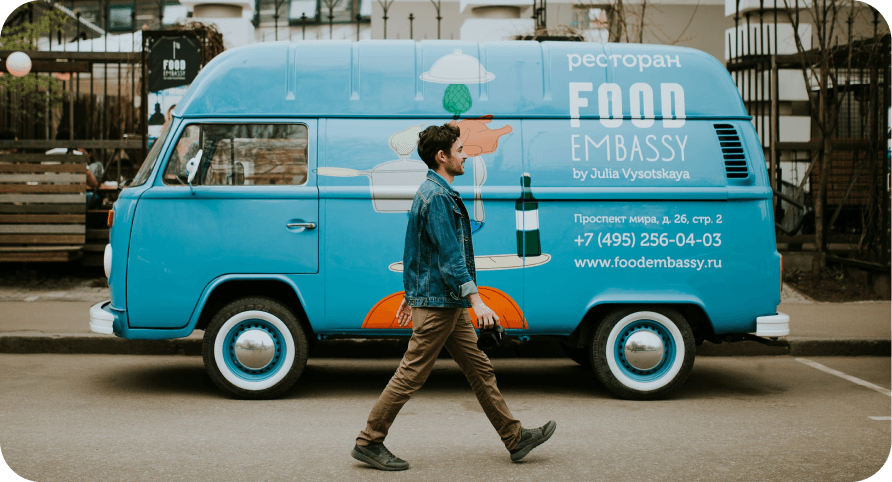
[468,288]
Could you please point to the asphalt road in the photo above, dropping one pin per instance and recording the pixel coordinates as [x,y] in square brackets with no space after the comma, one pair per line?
[103,417]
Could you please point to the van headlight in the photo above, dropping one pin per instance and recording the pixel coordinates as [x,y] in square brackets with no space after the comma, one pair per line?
[106,261]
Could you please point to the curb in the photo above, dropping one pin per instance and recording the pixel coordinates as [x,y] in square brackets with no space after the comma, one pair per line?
[536,347]
[90,344]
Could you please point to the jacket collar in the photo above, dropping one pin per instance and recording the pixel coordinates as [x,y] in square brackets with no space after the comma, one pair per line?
[433,176]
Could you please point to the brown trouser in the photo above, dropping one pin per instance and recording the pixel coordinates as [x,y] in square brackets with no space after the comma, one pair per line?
[432,328]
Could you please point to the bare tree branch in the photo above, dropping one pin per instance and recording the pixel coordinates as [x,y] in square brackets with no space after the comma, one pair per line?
[690,20]
[618,20]
[807,67]
[641,22]
[385,5]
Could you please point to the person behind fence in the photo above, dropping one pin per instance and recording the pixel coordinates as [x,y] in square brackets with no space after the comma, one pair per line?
[94,168]
[157,118]
[8,136]
[440,285]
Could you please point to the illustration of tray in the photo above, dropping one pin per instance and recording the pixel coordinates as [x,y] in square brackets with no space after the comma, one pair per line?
[496,262]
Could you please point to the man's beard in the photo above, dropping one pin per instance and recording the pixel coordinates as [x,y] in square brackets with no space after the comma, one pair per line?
[457,170]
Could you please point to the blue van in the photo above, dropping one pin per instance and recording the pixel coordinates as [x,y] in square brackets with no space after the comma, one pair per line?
[619,201]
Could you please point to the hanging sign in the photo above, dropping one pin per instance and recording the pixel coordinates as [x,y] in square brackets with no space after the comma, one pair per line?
[172,61]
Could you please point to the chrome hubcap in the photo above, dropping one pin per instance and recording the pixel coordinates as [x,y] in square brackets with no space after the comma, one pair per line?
[644,349]
[255,349]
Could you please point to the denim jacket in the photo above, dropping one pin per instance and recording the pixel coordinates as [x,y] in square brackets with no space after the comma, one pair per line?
[438,259]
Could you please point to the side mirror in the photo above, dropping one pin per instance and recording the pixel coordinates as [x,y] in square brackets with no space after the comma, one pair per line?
[192,165]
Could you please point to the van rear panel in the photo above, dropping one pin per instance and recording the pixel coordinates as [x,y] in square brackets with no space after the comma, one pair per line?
[650,213]
[706,253]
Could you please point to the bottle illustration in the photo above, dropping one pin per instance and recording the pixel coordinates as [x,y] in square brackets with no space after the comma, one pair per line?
[527,215]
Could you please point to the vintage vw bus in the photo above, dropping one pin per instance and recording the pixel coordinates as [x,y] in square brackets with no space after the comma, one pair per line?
[619,197]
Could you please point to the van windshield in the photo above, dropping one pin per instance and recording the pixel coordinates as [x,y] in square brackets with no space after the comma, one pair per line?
[143,175]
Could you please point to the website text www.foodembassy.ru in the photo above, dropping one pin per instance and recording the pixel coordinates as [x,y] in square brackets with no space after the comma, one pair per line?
[667,262]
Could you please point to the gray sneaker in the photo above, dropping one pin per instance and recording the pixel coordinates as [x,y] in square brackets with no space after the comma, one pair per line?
[378,457]
[531,438]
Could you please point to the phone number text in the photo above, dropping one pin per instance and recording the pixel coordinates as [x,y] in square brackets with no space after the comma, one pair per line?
[648,239]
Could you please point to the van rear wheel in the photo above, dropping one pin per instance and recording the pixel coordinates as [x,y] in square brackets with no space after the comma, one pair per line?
[254,348]
[643,354]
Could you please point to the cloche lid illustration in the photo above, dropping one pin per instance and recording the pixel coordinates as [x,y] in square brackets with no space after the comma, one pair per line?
[405,141]
[457,68]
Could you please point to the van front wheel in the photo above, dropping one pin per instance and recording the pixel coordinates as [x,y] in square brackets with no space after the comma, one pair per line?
[643,354]
[254,348]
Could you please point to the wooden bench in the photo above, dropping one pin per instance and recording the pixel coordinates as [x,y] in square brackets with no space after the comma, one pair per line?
[42,207]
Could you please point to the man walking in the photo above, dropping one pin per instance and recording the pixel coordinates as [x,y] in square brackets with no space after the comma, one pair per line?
[440,284]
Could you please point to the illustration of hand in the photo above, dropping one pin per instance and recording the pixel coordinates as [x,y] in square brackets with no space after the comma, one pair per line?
[478,138]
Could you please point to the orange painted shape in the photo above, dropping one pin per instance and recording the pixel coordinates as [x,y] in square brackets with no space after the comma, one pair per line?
[382,316]
[476,136]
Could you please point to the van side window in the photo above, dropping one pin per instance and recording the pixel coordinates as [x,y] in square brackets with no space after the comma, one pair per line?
[241,155]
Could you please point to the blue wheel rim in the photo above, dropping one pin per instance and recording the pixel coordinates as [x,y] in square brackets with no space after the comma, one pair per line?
[660,369]
[250,374]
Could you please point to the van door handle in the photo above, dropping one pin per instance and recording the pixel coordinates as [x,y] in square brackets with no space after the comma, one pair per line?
[302,225]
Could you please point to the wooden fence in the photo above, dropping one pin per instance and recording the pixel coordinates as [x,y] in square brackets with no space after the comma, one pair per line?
[42,207]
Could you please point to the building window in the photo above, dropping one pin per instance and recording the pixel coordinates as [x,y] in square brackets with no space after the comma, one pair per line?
[290,11]
[265,12]
[174,13]
[119,19]
[302,7]
[585,18]
[341,10]
[854,109]
[89,13]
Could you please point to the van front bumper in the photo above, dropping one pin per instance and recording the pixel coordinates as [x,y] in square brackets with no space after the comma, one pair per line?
[773,325]
[101,318]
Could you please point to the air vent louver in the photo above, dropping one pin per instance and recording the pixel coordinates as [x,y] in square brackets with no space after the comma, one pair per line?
[732,151]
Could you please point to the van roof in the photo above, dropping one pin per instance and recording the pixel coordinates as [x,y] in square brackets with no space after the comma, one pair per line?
[434,78]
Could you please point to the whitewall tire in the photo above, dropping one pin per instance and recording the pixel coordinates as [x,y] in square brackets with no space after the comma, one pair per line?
[254,348]
[643,354]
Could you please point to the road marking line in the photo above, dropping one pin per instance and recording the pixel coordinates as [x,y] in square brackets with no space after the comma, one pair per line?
[847,377]
[32,298]
[880,418]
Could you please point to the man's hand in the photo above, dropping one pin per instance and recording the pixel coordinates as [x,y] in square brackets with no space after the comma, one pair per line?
[404,314]
[486,318]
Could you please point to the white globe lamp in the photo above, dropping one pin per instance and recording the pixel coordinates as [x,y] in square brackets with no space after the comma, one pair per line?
[18,64]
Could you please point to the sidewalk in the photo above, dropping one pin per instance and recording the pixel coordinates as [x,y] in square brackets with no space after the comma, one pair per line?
[35,321]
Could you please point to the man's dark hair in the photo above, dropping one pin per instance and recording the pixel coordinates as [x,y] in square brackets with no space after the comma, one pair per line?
[7,136]
[435,139]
